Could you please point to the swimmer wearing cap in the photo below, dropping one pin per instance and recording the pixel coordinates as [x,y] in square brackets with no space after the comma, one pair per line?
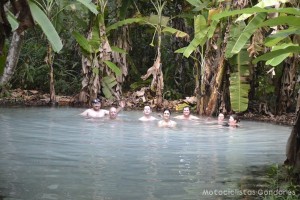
[95,111]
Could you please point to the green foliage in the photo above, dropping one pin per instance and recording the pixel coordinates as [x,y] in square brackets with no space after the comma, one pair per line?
[46,25]
[172,94]
[274,39]
[139,84]
[199,4]
[282,183]
[244,36]
[118,50]
[83,42]
[88,4]
[239,85]
[124,22]
[113,67]
[278,59]
[201,30]
[108,82]
[275,53]
[12,20]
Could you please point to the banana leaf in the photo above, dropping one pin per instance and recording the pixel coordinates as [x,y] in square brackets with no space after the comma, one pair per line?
[273,54]
[278,59]
[108,82]
[12,21]
[88,4]
[40,17]
[291,11]
[124,22]
[234,33]
[201,31]
[239,85]
[113,67]
[83,42]
[177,32]
[247,32]
[273,39]
[118,50]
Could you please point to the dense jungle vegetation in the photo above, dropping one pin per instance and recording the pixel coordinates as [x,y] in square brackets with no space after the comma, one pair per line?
[233,56]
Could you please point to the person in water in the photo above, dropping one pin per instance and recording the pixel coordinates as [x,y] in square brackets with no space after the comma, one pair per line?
[233,121]
[166,121]
[186,114]
[113,111]
[221,118]
[147,114]
[96,111]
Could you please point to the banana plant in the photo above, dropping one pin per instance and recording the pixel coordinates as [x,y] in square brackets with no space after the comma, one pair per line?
[160,25]
[257,19]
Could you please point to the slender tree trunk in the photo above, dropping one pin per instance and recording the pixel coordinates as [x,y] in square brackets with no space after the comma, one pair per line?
[49,61]
[160,77]
[12,57]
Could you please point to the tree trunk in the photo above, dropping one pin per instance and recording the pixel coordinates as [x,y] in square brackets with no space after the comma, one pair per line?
[49,61]
[12,57]
[293,147]
[286,96]
[211,86]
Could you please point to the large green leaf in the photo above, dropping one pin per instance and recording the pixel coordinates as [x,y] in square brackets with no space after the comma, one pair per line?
[234,33]
[247,32]
[273,54]
[177,32]
[199,5]
[261,4]
[46,25]
[124,22]
[273,39]
[292,11]
[201,31]
[88,3]
[82,41]
[118,50]
[155,20]
[12,20]
[278,59]
[108,82]
[282,20]
[113,67]
[239,86]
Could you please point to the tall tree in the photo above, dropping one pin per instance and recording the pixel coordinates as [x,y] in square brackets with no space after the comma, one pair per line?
[22,11]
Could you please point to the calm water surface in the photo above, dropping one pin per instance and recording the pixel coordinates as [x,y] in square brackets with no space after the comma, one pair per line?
[53,153]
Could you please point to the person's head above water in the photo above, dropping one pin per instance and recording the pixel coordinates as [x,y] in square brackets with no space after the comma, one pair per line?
[96,103]
[113,113]
[233,120]
[186,111]
[221,117]
[147,110]
[166,114]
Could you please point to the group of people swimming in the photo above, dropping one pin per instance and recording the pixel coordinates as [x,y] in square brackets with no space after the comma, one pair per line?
[164,120]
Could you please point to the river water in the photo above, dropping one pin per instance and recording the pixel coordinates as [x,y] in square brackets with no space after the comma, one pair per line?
[53,153]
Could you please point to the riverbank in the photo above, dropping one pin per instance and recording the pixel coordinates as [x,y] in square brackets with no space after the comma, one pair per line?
[135,100]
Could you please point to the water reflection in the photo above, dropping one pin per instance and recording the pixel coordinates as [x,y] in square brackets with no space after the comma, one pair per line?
[56,154]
